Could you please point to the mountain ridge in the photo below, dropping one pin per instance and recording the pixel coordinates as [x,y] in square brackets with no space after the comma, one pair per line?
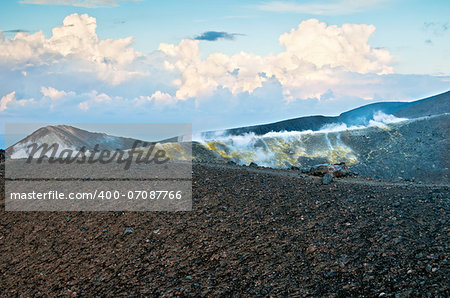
[433,105]
[67,136]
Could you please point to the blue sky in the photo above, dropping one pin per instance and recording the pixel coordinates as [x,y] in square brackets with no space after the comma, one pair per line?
[218,63]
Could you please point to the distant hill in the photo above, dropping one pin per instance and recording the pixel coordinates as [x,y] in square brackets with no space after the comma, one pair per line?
[362,115]
[297,124]
[69,137]
[435,105]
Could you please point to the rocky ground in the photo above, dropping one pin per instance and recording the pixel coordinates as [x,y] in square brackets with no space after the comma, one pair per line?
[252,231]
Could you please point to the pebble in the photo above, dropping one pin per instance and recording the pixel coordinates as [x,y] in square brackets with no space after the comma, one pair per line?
[310,249]
[128,231]
[327,179]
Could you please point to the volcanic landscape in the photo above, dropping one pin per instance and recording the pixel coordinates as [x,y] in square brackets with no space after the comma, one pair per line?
[377,227]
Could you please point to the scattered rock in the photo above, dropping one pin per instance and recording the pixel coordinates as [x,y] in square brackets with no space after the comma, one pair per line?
[327,179]
[281,235]
[337,170]
[310,249]
[128,231]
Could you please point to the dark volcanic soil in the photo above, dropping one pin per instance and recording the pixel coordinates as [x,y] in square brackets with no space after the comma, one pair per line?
[251,232]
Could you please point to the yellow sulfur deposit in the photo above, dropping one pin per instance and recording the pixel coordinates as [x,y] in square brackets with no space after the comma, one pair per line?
[283,151]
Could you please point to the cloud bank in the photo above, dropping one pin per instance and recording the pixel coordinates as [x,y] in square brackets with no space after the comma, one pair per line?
[75,76]
[314,59]
[75,42]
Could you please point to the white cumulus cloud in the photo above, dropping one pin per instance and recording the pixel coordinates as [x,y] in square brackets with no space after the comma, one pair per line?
[99,97]
[75,42]
[162,98]
[334,46]
[84,105]
[10,100]
[314,57]
[85,100]
[158,98]
[55,94]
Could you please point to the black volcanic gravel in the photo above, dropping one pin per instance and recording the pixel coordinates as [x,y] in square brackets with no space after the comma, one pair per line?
[252,232]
